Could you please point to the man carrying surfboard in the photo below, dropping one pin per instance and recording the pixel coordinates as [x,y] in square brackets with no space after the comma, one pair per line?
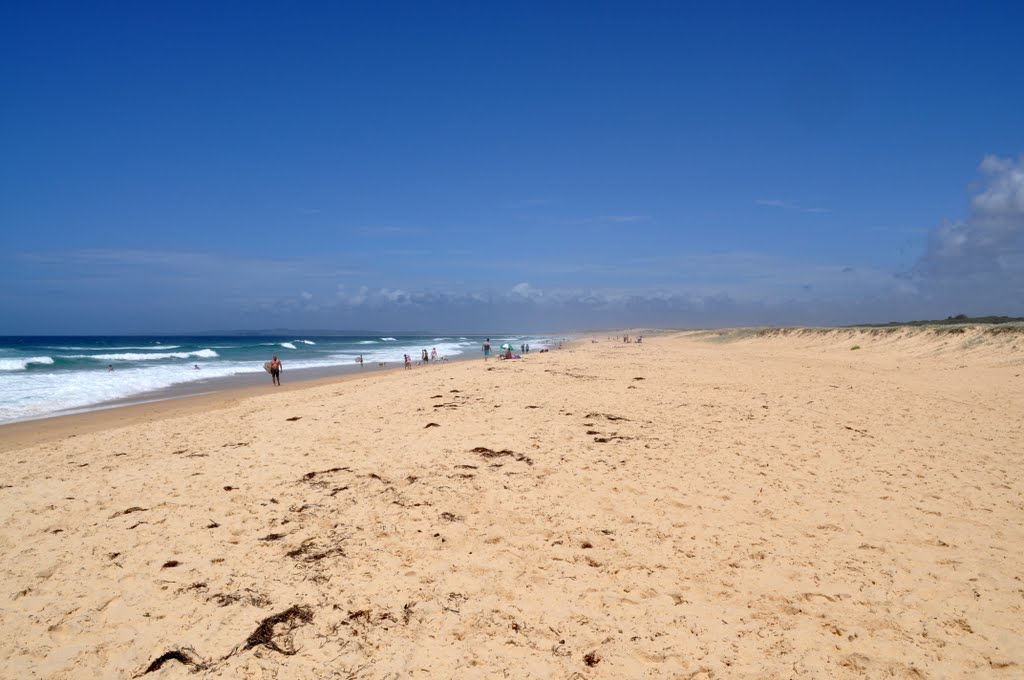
[274,368]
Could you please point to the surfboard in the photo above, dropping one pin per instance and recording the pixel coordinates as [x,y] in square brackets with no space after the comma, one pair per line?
[266,367]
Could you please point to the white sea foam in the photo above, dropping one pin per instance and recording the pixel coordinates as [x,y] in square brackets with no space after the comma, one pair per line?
[148,356]
[22,364]
[149,347]
[306,342]
[287,345]
[33,394]
[388,339]
[395,353]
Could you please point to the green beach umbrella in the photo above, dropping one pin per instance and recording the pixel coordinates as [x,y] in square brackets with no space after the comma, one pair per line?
[507,346]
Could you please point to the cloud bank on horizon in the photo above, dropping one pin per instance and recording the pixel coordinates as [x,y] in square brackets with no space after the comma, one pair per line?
[974,265]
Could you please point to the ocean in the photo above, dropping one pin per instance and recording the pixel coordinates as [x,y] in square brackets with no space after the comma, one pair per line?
[46,376]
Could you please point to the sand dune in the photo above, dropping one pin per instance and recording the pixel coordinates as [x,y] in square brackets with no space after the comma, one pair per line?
[704,505]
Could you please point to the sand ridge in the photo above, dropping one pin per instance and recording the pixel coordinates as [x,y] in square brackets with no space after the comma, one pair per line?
[698,506]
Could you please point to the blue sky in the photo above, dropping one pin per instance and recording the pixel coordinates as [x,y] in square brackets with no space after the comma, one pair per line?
[515,166]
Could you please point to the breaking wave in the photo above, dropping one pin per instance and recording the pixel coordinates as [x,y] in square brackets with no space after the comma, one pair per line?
[149,356]
[149,347]
[23,363]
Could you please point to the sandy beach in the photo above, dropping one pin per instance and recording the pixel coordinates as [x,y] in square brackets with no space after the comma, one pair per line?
[719,504]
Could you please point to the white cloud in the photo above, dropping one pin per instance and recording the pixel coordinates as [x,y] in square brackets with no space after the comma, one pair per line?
[352,298]
[388,231]
[608,219]
[396,296]
[976,265]
[1001,204]
[525,290]
[788,205]
[989,244]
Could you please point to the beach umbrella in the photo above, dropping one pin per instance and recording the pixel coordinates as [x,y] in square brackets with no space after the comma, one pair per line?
[507,346]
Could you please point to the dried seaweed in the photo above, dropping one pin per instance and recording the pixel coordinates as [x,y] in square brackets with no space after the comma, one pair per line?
[129,511]
[489,453]
[606,415]
[310,475]
[265,634]
[184,655]
[250,596]
[308,552]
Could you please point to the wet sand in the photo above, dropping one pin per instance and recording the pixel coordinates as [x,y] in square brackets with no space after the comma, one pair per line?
[703,505]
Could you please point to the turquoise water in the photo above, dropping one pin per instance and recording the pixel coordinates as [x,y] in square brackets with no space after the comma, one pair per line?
[44,376]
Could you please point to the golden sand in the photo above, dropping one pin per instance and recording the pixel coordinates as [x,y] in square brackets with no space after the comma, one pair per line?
[703,505]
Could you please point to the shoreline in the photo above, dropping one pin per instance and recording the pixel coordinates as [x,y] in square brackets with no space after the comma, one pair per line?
[48,391]
[175,401]
[180,400]
[43,380]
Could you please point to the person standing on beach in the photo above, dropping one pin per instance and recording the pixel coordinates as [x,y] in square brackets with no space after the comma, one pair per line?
[275,370]
[487,348]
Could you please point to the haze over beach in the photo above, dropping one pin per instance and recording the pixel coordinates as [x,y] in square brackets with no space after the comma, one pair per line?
[647,341]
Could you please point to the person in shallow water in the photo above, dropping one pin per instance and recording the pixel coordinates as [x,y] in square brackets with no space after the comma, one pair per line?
[275,370]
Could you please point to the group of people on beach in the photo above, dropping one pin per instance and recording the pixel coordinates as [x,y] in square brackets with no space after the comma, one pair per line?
[425,358]
[524,348]
[274,366]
